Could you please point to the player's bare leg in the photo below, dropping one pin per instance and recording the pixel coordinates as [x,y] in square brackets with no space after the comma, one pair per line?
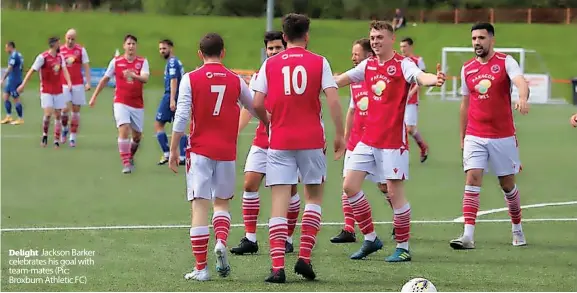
[414,132]
[473,182]
[250,211]
[514,204]
[278,231]
[292,217]
[199,236]
[363,213]
[311,224]
[57,127]
[385,190]
[8,107]
[74,124]
[124,147]
[134,144]
[65,117]
[46,125]
[401,221]
[221,226]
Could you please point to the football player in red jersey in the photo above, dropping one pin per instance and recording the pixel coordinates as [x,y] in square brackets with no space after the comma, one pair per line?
[488,132]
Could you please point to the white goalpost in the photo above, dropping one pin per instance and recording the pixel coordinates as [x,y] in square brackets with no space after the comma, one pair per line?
[539,82]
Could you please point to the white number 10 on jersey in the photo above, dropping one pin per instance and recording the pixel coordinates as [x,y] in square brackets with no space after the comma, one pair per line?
[291,80]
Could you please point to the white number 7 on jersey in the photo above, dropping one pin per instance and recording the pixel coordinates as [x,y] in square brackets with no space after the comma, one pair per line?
[220,89]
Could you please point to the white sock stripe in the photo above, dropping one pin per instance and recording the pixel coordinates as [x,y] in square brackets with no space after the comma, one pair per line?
[277,221]
[295,199]
[198,231]
[313,208]
[512,192]
[221,214]
[473,189]
[250,195]
[403,209]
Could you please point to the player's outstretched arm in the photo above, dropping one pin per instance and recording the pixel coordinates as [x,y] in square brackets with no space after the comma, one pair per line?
[356,74]
[25,81]
[101,84]
[427,79]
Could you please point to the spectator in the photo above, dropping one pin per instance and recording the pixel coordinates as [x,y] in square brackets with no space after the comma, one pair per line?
[398,20]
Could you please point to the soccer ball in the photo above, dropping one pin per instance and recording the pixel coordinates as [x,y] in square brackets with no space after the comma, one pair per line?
[419,285]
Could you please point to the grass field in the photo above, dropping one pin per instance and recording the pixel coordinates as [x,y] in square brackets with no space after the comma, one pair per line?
[83,187]
[102,33]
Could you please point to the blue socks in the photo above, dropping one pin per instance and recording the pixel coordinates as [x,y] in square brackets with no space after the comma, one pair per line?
[19,110]
[8,107]
[183,145]
[163,142]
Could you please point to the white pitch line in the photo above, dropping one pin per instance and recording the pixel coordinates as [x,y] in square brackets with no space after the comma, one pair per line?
[150,227]
[538,205]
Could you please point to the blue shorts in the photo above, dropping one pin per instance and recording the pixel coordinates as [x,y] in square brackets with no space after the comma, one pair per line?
[163,114]
[10,89]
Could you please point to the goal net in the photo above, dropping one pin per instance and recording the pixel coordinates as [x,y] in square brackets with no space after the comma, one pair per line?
[532,66]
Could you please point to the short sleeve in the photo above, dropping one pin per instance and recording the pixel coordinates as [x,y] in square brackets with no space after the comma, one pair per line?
[145,68]
[183,105]
[328,79]
[464,87]
[512,67]
[110,70]
[421,64]
[38,62]
[85,58]
[173,70]
[410,70]
[12,60]
[261,84]
[357,74]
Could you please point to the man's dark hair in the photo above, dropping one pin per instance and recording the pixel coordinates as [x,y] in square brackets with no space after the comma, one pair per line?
[273,36]
[167,42]
[365,44]
[53,40]
[484,26]
[11,44]
[295,26]
[211,45]
[408,41]
[130,37]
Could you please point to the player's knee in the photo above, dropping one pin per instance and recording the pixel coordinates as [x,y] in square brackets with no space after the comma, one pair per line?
[294,190]
[250,185]
[474,177]
[158,126]
[383,187]
[507,183]
[350,189]
[221,204]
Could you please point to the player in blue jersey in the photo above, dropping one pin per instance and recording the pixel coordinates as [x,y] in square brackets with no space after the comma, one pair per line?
[173,73]
[11,80]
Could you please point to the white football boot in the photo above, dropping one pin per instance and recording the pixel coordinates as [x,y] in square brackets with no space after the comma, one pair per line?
[462,242]
[222,265]
[519,238]
[199,275]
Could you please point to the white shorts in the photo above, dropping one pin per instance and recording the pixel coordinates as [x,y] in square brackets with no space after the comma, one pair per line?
[52,101]
[382,164]
[124,114]
[411,114]
[500,154]
[286,166]
[209,179]
[77,96]
[347,157]
[256,160]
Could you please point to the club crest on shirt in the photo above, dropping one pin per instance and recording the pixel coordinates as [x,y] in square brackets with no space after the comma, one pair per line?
[482,88]
[363,105]
[138,65]
[495,68]
[77,52]
[391,70]
[70,60]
